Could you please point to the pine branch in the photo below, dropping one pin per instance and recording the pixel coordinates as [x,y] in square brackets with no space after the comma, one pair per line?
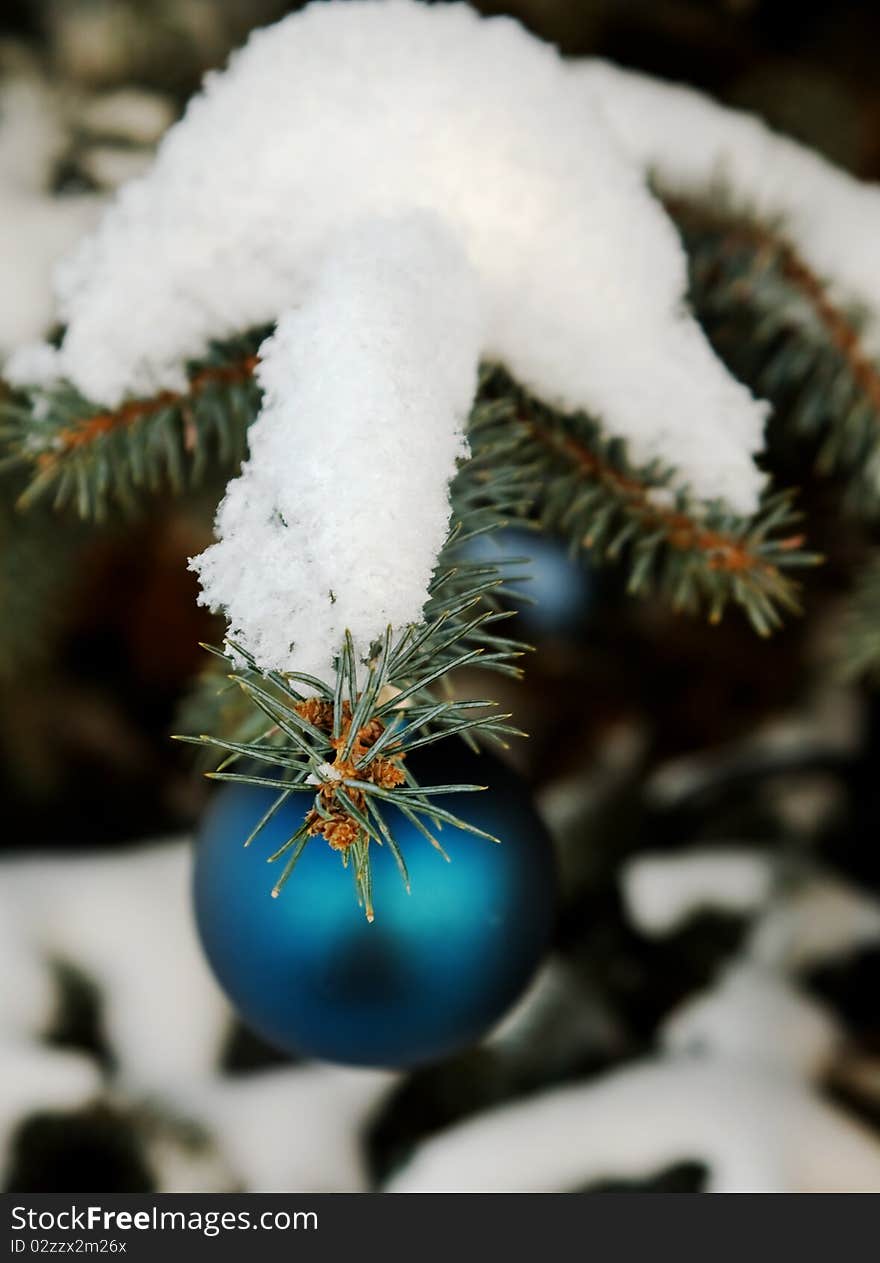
[580,484]
[774,323]
[94,459]
[526,457]
[344,742]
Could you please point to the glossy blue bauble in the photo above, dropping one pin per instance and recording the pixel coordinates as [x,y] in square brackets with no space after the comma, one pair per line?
[561,587]
[434,970]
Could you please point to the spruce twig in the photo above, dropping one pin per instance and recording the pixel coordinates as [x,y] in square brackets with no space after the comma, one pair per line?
[345,746]
[774,322]
[578,483]
[95,460]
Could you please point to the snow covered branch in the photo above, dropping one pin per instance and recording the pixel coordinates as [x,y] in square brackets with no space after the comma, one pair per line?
[694,147]
[460,195]
[579,291]
[338,517]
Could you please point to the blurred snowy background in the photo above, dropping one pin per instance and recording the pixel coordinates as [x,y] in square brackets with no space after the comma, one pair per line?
[709,1018]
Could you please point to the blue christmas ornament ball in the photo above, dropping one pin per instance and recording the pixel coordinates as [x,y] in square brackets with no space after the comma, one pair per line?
[434,970]
[560,588]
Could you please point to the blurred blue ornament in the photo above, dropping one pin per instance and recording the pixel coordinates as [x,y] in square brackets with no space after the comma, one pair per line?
[559,588]
[436,968]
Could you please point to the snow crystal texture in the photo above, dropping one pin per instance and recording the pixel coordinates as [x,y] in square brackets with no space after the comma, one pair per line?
[692,144]
[334,423]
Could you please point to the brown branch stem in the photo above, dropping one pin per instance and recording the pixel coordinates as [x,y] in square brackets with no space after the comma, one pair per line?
[725,552]
[764,241]
[87,429]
